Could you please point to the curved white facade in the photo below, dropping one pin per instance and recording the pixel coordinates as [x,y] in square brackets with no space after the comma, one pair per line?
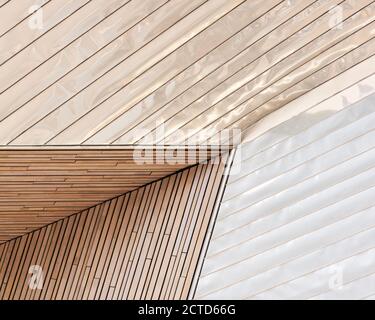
[298,219]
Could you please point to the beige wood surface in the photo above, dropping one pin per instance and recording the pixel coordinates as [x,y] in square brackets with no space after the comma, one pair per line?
[142,244]
[104,71]
[40,186]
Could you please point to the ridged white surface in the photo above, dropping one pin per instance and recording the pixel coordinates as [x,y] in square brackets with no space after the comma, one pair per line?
[297,220]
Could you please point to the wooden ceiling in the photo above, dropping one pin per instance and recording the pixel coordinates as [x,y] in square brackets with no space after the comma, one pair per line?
[41,185]
[105,71]
[142,245]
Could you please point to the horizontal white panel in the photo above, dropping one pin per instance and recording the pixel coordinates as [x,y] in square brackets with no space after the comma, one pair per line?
[241,256]
[297,219]
[237,230]
[294,152]
[335,121]
[356,289]
[247,287]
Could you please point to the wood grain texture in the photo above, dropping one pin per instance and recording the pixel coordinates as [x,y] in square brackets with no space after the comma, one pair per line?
[39,186]
[144,244]
[110,71]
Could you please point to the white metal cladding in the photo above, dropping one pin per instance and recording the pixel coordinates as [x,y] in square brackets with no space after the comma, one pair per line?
[298,220]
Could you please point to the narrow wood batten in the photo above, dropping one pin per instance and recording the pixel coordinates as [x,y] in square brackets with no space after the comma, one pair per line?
[40,185]
[144,244]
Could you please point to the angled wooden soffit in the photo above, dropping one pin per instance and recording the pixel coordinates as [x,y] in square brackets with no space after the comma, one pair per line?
[39,185]
[144,244]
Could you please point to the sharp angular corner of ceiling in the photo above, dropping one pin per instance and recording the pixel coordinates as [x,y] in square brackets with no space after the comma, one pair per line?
[116,72]
[39,186]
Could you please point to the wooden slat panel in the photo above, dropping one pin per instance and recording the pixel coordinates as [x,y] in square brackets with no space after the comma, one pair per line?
[14,12]
[190,67]
[52,14]
[40,186]
[143,244]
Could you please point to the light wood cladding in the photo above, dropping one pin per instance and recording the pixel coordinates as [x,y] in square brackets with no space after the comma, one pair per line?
[107,71]
[144,244]
[40,186]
